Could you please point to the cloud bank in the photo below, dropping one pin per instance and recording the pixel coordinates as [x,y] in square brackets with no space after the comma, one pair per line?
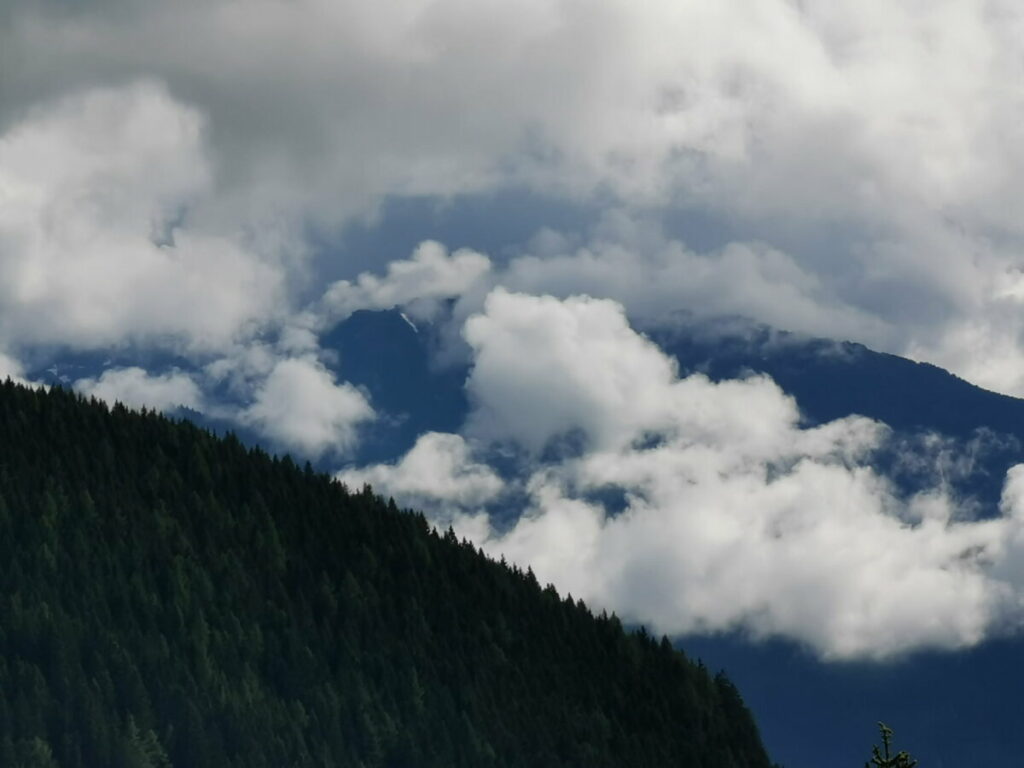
[860,159]
[861,155]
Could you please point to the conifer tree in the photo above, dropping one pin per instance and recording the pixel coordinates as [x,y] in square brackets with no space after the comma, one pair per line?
[883,758]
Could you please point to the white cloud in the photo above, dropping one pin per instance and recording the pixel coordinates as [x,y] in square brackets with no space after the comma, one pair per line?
[733,516]
[631,261]
[437,474]
[545,367]
[300,406]
[97,244]
[822,106]
[432,274]
[821,553]
[11,368]
[136,388]
[530,379]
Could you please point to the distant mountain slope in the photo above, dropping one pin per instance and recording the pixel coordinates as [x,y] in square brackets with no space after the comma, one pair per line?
[383,353]
[982,432]
[169,598]
[834,379]
[829,379]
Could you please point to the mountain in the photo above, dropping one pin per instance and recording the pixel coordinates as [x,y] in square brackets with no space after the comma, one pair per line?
[389,357]
[168,597]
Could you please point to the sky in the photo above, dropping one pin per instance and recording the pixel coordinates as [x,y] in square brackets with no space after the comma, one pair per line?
[220,182]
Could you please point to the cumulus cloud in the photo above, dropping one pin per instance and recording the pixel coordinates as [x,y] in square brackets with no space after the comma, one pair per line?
[136,388]
[97,247]
[437,474]
[418,283]
[544,368]
[729,514]
[819,552]
[300,406]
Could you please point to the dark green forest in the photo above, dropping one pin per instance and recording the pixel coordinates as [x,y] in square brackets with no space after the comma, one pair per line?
[171,598]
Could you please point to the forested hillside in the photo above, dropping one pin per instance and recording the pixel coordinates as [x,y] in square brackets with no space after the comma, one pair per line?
[170,598]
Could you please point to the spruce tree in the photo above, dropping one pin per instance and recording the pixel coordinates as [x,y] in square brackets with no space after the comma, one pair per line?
[883,758]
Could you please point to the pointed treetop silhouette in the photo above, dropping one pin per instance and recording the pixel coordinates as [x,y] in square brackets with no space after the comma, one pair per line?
[882,758]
